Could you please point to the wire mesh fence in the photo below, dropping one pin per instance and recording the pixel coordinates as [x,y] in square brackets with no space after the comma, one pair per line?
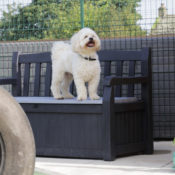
[56,19]
[33,25]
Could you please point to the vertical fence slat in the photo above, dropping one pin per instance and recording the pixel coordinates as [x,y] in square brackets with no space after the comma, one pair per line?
[82,13]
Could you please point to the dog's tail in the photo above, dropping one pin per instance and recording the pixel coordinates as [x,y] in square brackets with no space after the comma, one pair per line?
[58,47]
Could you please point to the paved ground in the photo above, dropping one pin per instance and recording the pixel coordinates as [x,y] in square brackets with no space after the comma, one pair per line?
[159,163]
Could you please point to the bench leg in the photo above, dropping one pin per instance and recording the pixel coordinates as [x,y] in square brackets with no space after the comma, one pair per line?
[109,157]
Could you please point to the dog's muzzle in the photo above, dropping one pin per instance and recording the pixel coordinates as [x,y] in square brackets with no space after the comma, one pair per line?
[91,43]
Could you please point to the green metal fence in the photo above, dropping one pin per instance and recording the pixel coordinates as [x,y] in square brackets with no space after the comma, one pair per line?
[56,19]
[59,19]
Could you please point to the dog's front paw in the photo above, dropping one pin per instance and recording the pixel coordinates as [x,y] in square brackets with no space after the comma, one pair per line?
[81,97]
[94,97]
[68,96]
[58,97]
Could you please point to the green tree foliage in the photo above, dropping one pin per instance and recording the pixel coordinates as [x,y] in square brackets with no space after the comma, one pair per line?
[113,18]
[59,19]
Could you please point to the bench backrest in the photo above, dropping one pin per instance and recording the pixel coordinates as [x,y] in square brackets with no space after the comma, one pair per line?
[30,70]
[33,71]
[126,64]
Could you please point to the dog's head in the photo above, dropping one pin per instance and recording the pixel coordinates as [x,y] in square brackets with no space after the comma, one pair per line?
[85,41]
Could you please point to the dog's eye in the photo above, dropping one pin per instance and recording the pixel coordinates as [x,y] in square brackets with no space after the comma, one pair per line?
[86,36]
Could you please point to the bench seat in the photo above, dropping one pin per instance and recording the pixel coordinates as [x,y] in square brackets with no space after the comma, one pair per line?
[51,100]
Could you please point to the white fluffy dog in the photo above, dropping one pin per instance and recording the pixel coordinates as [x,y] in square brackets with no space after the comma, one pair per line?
[78,61]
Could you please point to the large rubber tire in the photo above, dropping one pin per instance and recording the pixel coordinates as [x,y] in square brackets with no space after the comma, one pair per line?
[17,146]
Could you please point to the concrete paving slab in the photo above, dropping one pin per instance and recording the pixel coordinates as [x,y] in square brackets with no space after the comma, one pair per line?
[157,164]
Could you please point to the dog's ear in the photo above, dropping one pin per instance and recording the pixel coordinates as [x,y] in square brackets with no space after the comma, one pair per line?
[75,42]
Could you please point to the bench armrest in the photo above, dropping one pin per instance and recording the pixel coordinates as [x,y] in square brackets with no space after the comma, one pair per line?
[5,81]
[115,80]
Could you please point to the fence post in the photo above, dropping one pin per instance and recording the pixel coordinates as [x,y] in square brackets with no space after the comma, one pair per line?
[82,12]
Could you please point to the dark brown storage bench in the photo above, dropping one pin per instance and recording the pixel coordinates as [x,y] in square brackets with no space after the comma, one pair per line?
[120,123]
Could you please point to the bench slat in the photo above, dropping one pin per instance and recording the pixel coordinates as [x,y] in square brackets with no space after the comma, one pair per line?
[35,58]
[19,88]
[107,68]
[37,79]
[48,79]
[119,71]
[26,79]
[131,74]
[123,55]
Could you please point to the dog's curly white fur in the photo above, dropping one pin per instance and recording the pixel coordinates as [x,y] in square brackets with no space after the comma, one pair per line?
[78,61]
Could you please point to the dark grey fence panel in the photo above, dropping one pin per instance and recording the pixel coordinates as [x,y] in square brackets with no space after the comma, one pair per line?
[163,73]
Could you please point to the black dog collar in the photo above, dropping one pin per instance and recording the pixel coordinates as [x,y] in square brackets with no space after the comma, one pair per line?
[89,59]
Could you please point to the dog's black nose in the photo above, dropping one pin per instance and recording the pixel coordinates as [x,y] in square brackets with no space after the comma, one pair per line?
[91,39]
